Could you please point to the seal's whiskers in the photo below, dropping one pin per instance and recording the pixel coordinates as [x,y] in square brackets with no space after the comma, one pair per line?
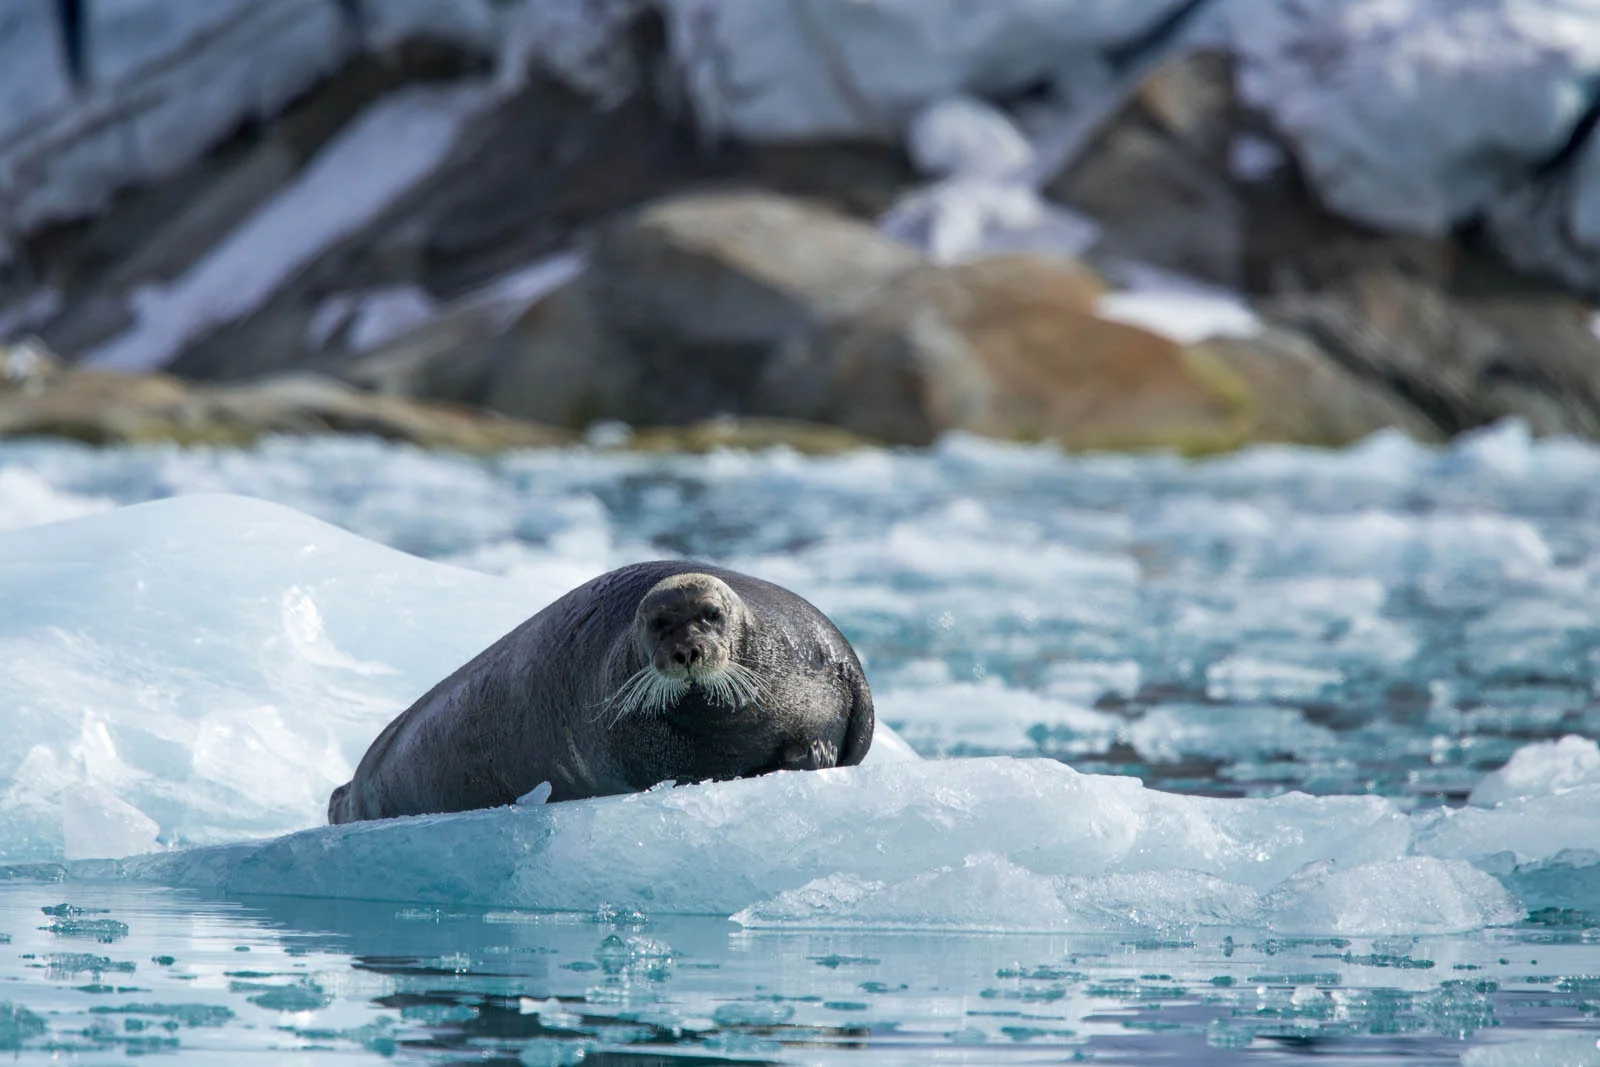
[645,691]
[734,685]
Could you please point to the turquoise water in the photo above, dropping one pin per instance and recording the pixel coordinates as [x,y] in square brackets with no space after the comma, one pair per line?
[129,971]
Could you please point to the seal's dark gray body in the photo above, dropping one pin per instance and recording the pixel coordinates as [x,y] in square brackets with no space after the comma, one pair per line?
[532,708]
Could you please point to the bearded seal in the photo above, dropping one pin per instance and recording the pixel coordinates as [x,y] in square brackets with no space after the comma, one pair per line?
[655,672]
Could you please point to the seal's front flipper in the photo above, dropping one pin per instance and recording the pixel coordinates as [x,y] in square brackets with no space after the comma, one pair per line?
[808,756]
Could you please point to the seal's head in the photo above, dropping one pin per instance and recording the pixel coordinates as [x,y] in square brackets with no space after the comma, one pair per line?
[687,631]
[686,625]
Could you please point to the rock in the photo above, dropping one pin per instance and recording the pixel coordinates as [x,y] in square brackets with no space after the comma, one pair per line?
[1417,116]
[682,306]
[1462,358]
[447,358]
[28,368]
[772,70]
[1297,393]
[138,90]
[35,79]
[350,184]
[105,408]
[748,305]
[1438,324]
[1011,347]
[1551,224]
[1156,176]
[160,83]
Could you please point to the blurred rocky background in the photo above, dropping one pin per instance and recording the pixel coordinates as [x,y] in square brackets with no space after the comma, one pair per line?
[489,223]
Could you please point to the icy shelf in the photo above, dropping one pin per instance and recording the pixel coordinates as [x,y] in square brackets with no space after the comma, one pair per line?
[1276,631]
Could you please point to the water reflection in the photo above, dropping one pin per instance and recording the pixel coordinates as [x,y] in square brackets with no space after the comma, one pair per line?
[195,977]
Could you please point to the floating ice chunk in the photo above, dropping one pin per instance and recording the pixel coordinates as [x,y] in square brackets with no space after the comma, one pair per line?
[1231,733]
[26,499]
[1529,828]
[964,135]
[1086,681]
[539,794]
[1505,448]
[1243,678]
[1540,769]
[98,825]
[1157,900]
[1394,547]
[990,717]
[1415,894]
[985,892]
[1552,1050]
[719,848]
[216,662]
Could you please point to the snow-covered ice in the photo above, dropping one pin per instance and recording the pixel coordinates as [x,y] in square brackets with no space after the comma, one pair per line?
[1181,308]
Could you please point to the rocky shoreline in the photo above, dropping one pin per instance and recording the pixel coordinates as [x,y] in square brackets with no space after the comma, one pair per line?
[485,225]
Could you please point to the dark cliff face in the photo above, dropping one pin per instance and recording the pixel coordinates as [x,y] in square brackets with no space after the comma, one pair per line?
[484,268]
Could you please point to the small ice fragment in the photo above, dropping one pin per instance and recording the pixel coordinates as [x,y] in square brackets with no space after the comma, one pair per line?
[1544,768]
[98,825]
[1245,678]
[539,794]
[748,1013]
[609,914]
[554,1052]
[608,434]
[1416,894]
[551,1012]
[1565,1050]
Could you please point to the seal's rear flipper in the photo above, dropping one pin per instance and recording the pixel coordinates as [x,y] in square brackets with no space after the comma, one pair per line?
[336,805]
[858,732]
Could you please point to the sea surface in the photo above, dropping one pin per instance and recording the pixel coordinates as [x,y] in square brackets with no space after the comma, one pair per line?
[1282,646]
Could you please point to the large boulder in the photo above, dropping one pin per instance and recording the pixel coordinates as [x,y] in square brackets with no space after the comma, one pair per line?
[1464,359]
[683,306]
[1013,347]
[751,305]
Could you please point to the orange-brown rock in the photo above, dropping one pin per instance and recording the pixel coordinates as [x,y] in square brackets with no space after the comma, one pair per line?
[1012,347]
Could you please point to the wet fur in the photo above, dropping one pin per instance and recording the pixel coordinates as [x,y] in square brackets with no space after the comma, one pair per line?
[561,699]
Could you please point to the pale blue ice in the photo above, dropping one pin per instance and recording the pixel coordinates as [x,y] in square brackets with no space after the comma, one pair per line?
[1333,645]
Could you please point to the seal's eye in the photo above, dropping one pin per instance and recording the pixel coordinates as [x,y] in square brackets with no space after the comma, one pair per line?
[711,615]
[660,624]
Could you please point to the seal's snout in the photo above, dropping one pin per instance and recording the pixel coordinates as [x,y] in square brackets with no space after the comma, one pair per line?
[687,657]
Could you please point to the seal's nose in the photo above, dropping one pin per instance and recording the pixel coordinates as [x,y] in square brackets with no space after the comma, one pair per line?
[686,656]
